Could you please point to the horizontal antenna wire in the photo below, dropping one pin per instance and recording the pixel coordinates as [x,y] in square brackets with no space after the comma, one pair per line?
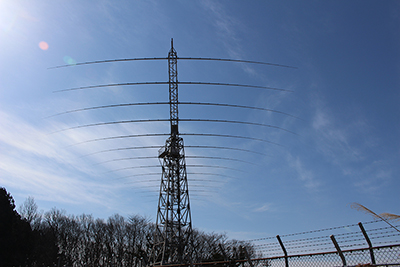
[121,149]
[121,159]
[136,175]
[182,134]
[188,157]
[223,158]
[191,173]
[157,185]
[150,147]
[153,83]
[238,122]
[185,120]
[228,148]
[164,58]
[120,137]
[238,85]
[190,180]
[211,174]
[237,60]
[107,61]
[157,191]
[179,103]
[187,165]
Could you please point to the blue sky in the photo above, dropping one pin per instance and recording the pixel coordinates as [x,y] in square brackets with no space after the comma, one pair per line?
[345,103]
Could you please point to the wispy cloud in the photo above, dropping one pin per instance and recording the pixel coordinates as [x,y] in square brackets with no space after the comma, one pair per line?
[225,24]
[227,28]
[265,207]
[44,165]
[305,175]
[62,167]
[351,146]
[372,178]
[332,139]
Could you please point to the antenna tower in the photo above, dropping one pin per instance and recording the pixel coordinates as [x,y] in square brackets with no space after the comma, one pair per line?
[173,223]
[173,241]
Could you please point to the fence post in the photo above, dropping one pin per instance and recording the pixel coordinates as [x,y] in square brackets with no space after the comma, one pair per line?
[338,250]
[284,250]
[223,253]
[371,251]
[247,256]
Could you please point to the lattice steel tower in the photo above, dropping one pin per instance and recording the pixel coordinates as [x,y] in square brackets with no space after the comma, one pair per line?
[173,223]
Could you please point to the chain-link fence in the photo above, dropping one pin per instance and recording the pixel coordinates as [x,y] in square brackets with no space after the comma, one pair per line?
[388,255]
[372,243]
[375,243]
[384,256]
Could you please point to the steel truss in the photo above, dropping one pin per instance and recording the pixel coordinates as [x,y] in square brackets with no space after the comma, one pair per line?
[173,224]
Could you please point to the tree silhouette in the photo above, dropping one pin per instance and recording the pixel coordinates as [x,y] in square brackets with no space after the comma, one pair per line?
[54,238]
[15,233]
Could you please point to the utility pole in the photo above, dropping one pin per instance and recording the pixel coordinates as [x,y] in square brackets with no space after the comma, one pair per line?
[173,223]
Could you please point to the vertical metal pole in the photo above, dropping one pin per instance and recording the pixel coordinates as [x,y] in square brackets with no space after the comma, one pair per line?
[371,251]
[284,250]
[173,88]
[172,242]
[248,257]
[338,250]
[223,253]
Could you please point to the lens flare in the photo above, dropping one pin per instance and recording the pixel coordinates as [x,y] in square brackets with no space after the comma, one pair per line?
[43,45]
[69,60]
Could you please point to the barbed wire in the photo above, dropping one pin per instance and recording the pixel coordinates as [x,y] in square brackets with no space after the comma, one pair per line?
[318,243]
[313,231]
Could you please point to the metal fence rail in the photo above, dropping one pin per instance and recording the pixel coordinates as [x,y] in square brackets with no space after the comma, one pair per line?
[388,255]
[378,245]
[370,244]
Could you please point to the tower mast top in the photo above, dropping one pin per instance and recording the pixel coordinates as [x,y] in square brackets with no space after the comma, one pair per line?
[174,224]
[173,89]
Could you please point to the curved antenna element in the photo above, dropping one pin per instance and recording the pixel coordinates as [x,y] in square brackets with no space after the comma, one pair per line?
[109,60]
[165,58]
[231,136]
[180,103]
[120,137]
[228,148]
[238,122]
[187,165]
[187,83]
[108,85]
[191,173]
[165,120]
[236,60]
[187,157]
[182,134]
[237,85]
[121,149]
[130,158]
[152,147]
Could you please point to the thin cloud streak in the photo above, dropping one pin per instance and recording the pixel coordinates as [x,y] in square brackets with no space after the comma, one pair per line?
[30,156]
[263,208]
[226,27]
[305,175]
[350,146]
[46,166]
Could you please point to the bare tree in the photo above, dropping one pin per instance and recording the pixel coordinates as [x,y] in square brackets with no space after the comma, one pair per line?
[68,240]
[29,211]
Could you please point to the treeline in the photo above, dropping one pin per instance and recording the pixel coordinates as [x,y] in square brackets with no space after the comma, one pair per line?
[53,238]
